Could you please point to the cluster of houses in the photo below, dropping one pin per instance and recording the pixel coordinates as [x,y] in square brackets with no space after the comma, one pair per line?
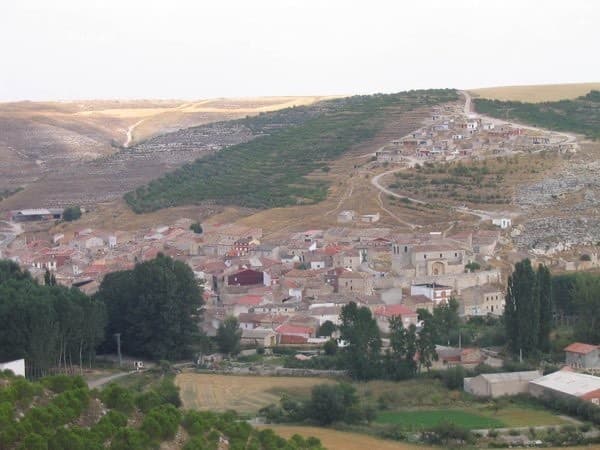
[449,134]
[283,291]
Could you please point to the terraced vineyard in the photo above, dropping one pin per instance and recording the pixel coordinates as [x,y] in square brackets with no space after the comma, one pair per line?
[272,170]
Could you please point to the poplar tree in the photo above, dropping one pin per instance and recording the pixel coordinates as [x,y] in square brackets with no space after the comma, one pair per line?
[544,280]
[522,310]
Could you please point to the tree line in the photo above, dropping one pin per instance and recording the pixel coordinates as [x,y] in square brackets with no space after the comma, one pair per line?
[410,350]
[155,307]
[52,327]
[534,301]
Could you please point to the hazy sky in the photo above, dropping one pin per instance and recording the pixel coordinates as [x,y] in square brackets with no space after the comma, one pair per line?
[65,49]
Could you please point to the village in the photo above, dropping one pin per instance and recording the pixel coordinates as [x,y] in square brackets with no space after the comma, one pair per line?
[282,290]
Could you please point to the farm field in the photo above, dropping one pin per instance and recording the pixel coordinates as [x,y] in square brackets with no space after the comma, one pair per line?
[416,420]
[344,440]
[471,418]
[244,394]
[536,93]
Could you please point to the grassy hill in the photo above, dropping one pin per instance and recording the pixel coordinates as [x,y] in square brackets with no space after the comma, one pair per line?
[580,115]
[61,413]
[271,170]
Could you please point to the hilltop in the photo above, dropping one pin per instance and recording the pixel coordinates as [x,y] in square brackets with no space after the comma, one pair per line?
[536,93]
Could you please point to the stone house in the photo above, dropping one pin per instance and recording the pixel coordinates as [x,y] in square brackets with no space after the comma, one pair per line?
[350,282]
[481,301]
[582,356]
[383,314]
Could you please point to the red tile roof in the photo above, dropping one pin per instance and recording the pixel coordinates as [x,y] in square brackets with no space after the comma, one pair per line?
[287,328]
[578,347]
[249,300]
[394,310]
[292,339]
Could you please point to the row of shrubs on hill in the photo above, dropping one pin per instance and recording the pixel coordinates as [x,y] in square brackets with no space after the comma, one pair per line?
[581,115]
[270,171]
[48,415]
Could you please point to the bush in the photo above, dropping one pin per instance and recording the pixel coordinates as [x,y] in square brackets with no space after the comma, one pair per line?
[330,347]
[72,213]
[117,397]
[196,228]
[62,383]
[453,378]
[447,433]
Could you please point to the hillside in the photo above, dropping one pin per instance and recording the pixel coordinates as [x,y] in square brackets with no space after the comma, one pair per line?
[46,146]
[536,93]
[580,115]
[60,412]
[271,171]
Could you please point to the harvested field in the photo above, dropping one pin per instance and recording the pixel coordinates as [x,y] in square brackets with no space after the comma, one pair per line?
[244,394]
[343,440]
[536,93]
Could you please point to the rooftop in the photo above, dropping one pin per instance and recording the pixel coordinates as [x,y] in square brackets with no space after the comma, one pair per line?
[578,347]
[511,376]
[572,383]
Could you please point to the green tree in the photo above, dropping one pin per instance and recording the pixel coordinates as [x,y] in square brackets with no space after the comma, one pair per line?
[360,330]
[326,329]
[229,336]
[426,344]
[196,228]
[586,298]
[72,213]
[522,310]
[330,347]
[332,403]
[544,281]
[155,307]
[400,361]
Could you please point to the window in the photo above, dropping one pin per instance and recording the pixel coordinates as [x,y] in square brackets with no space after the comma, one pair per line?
[441,256]
[405,249]
[425,256]
[456,255]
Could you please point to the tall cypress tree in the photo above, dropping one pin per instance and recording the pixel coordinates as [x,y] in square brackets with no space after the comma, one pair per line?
[544,280]
[522,311]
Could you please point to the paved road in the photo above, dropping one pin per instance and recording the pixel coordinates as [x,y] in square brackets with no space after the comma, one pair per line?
[92,384]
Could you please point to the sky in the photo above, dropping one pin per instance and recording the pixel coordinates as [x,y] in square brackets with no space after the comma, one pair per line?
[193,49]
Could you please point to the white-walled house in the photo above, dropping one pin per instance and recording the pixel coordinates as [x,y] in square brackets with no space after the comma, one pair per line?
[502,222]
[17,367]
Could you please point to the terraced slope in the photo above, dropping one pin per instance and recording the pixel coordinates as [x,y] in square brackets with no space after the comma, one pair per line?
[272,170]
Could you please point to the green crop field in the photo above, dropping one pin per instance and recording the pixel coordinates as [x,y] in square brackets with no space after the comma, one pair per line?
[472,417]
[416,420]
[271,170]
